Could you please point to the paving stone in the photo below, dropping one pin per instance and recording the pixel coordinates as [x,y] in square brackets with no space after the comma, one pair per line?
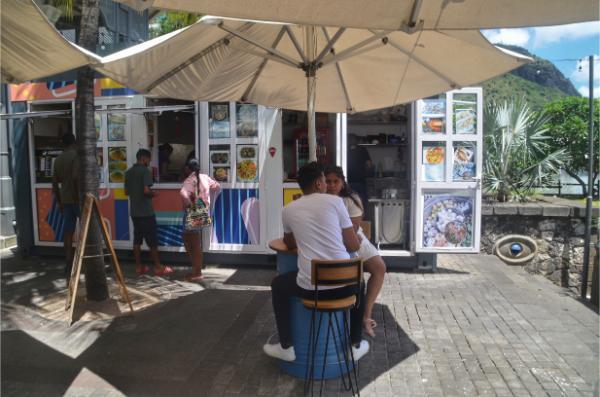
[475,328]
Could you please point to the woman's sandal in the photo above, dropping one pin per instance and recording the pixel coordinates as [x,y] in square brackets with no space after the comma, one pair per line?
[165,270]
[369,325]
[190,278]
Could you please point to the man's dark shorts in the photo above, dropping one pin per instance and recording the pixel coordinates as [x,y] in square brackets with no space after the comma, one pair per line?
[70,215]
[144,228]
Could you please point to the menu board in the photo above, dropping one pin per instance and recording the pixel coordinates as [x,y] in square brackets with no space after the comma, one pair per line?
[116,127]
[464,161]
[100,160]
[117,164]
[247,163]
[433,160]
[220,163]
[448,220]
[218,123]
[433,116]
[247,120]
[464,113]
[98,124]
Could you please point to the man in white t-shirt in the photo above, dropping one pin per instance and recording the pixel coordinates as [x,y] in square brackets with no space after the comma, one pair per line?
[318,225]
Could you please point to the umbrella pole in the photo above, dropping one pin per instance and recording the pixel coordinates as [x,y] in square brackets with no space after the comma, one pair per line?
[311,84]
[310,113]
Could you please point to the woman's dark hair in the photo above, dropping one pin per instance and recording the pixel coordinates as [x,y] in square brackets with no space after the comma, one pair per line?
[346,190]
[308,174]
[194,165]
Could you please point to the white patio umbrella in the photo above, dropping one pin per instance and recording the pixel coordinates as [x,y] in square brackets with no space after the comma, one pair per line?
[31,48]
[393,14]
[306,68]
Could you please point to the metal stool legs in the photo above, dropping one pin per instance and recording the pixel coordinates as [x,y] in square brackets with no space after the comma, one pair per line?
[344,348]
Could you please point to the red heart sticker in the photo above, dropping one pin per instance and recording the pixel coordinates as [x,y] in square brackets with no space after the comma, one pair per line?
[272,151]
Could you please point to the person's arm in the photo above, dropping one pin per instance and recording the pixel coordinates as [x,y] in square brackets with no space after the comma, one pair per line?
[214,185]
[289,240]
[148,184]
[350,239]
[56,190]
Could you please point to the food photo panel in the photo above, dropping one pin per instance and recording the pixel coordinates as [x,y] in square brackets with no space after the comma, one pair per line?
[117,164]
[434,161]
[247,163]
[247,120]
[433,115]
[464,164]
[448,220]
[464,113]
[220,163]
[218,122]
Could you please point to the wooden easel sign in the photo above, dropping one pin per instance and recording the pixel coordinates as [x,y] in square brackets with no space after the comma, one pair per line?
[91,205]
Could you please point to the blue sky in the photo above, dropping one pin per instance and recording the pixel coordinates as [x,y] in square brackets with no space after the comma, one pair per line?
[556,43]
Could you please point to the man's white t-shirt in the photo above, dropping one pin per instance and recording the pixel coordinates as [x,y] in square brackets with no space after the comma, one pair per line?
[316,220]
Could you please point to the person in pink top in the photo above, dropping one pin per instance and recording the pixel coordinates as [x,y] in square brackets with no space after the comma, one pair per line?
[196,185]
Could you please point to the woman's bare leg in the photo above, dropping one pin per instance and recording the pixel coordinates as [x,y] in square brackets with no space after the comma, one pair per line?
[376,267]
[187,243]
[196,254]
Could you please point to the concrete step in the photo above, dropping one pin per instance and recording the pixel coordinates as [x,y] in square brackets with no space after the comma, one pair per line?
[8,241]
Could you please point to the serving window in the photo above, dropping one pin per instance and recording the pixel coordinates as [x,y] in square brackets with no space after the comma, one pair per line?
[171,139]
[295,141]
[47,133]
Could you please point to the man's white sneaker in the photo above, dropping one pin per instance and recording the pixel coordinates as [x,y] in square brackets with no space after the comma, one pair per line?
[361,350]
[279,352]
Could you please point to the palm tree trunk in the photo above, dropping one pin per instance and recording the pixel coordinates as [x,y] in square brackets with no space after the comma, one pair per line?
[95,276]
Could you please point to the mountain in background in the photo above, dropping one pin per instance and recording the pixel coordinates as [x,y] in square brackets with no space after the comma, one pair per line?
[538,82]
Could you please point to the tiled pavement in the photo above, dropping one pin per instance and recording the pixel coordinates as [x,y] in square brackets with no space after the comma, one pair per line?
[476,327]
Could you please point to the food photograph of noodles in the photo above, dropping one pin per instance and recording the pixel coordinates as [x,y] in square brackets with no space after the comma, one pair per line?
[448,221]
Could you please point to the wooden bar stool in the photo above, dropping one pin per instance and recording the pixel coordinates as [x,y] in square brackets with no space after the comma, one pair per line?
[333,273]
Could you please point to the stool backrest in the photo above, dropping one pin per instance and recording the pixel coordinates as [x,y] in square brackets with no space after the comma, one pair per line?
[338,273]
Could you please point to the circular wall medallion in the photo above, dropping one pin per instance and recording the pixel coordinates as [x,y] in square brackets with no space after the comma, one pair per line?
[515,249]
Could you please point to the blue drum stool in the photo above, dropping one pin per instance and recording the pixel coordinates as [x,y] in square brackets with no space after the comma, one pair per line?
[287,261]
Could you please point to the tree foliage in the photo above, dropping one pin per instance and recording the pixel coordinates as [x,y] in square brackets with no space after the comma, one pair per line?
[167,21]
[517,158]
[568,127]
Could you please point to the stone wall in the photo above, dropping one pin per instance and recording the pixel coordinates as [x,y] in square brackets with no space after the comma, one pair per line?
[558,230]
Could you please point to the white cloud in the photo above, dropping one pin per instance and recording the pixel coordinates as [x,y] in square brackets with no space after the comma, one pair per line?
[585,91]
[581,73]
[547,35]
[518,37]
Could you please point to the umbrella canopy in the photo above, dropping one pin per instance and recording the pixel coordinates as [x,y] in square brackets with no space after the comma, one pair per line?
[393,14]
[31,48]
[268,63]
[305,67]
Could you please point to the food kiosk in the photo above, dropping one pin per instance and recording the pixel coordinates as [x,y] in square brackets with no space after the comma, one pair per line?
[422,184]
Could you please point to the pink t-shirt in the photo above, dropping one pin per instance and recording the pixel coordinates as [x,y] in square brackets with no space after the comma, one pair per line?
[203,185]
